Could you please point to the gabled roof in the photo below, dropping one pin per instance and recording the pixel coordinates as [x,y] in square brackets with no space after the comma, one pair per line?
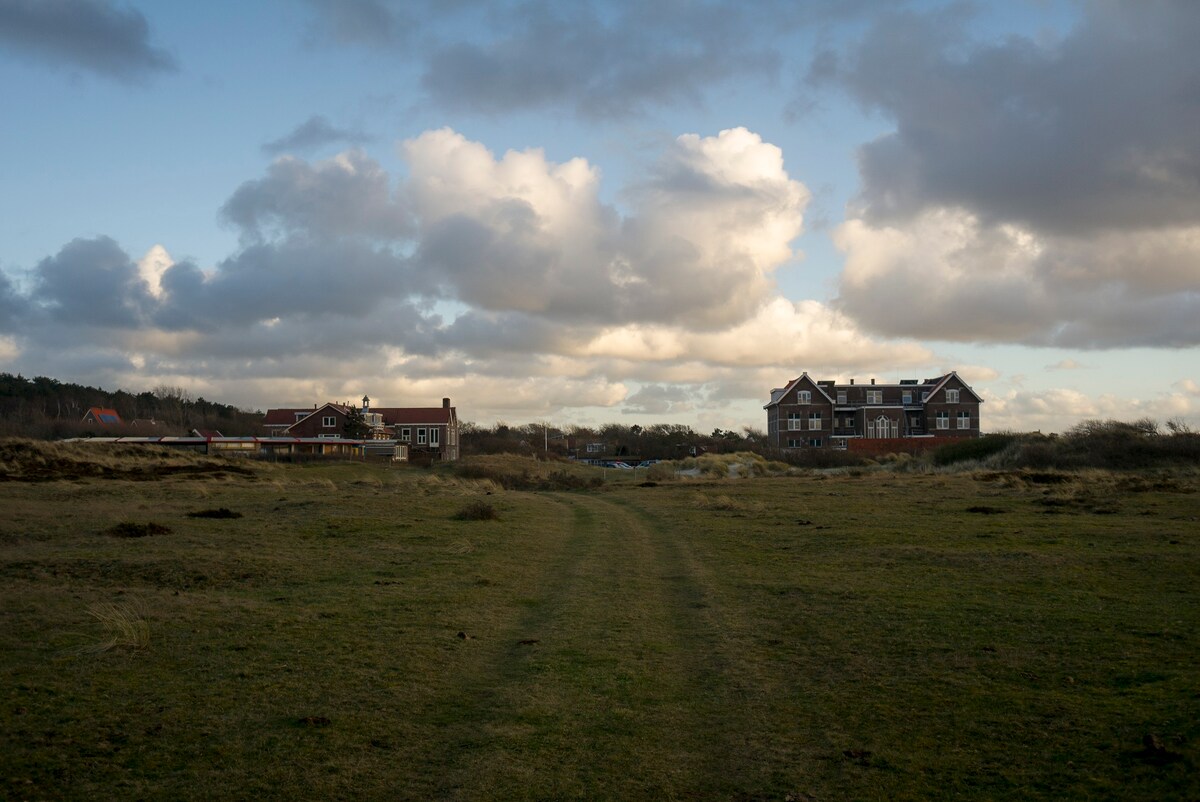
[207,434]
[395,416]
[775,399]
[103,416]
[283,417]
[338,408]
[941,382]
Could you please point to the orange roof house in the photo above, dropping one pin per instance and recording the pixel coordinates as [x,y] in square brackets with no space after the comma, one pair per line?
[99,416]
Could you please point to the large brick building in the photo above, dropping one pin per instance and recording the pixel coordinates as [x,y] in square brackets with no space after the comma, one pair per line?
[824,414]
[426,431]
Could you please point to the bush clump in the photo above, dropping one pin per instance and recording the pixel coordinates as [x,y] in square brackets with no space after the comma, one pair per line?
[974,448]
[477,511]
[131,529]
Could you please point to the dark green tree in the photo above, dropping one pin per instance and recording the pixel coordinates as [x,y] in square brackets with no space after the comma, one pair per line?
[355,427]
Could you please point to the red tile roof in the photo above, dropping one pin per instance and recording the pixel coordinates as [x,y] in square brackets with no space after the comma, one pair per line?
[393,416]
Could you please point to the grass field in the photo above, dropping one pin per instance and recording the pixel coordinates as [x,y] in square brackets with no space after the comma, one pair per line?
[340,630]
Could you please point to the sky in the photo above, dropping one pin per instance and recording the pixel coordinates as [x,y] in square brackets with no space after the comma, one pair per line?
[590,212]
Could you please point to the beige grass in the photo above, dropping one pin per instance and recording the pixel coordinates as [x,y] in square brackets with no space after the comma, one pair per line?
[124,625]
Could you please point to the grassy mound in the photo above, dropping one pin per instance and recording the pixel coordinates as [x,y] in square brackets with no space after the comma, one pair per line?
[41,461]
[516,472]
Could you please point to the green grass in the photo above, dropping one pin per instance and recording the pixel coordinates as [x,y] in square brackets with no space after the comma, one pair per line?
[812,637]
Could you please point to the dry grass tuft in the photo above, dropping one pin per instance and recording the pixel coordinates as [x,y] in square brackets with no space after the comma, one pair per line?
[124,626]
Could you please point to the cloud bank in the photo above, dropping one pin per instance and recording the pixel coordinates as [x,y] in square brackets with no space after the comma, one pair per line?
[1034,192]
[472,273]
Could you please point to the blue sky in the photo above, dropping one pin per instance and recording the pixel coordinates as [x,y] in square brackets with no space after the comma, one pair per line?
[601,211]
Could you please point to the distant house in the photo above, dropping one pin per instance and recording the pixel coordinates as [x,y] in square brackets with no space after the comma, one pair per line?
[824,414]
[428,431]
[207,434]
[99,416]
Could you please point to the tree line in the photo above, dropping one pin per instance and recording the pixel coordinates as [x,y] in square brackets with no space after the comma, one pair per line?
[42,407]
[610,441]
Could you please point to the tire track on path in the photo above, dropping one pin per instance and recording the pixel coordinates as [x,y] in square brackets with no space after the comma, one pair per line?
[610,682]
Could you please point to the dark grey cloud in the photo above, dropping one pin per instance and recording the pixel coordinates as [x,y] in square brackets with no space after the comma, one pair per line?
[95,35]
[605,60]
[91,282]
[12,307]
[291,277]
[349,195]
[1095,130]
[313,133]
[373,23]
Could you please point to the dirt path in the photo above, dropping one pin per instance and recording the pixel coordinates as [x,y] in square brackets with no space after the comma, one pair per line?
[612,682]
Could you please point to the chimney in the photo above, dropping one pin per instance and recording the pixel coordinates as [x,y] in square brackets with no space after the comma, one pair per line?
[872,381]
[852,382]
[445,403]
[366,405]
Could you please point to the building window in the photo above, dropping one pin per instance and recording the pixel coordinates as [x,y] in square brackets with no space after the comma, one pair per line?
[793,443]
[964,420]
[804,397]
[301,415]
[814,421]
[406,434]
[924,397]
[435,437]
[815,442]
[874,396]
[943,420]
[327,436]
[908,396]
[841,396]
[595,448]
[420,437]
[795,421]
[952,396]
[329,421]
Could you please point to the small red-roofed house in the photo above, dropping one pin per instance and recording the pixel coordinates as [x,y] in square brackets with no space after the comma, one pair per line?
[99,416]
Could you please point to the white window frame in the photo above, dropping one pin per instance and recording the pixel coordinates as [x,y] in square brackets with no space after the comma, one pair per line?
[964,420]
[421,435]
[795,421]
[406,434]
[841,396]
[328,421]
[874,396]
[907,397]
[952,396]
[804,396]
[924,396]
[435,437]
[942,419]
[814,421]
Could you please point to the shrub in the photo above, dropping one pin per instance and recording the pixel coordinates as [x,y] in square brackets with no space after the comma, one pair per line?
[131,529]
[972,448]
[477,511]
